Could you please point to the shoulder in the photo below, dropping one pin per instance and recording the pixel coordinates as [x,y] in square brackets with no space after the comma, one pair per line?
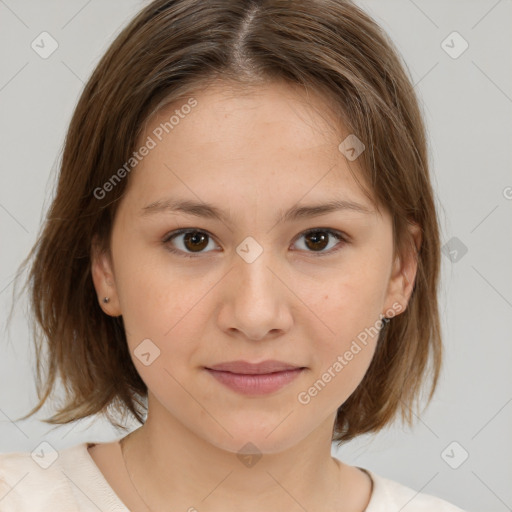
[28,482]
[42,480]
[390,495]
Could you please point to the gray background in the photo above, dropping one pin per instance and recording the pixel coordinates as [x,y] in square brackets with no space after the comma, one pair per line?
[467,103]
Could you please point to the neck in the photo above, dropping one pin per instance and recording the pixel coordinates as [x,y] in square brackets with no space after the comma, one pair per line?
[172,469]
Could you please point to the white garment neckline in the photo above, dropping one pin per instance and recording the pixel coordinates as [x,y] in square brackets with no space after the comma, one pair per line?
[104,495]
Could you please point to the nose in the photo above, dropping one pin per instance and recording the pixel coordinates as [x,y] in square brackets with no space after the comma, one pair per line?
[256,302]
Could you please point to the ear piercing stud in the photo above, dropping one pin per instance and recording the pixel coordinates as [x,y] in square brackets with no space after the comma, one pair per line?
[106,300]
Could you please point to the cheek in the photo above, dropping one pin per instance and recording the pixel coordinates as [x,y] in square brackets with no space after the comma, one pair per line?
[158,314]
[166,305]
[346,327]
[351,301]
[341,358]
[152,292]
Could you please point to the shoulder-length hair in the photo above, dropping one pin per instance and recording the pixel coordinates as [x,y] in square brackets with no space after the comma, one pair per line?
[169,50]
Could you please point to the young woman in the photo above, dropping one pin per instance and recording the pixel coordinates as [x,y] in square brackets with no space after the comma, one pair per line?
[243,253]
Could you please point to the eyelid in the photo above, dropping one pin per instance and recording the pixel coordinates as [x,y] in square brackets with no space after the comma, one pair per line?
[169,236]
[340,235]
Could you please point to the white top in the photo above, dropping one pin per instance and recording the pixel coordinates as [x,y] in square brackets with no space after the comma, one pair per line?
[72,482]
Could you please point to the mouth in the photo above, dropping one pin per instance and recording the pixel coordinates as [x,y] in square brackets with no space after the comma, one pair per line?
[262,368]
[255,378]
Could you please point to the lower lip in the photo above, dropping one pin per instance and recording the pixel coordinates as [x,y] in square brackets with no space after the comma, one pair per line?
[255,384]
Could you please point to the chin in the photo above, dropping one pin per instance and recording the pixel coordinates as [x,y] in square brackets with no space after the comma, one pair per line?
[251,434]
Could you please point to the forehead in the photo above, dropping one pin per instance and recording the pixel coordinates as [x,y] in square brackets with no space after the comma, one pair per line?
[257,109]
[258,142]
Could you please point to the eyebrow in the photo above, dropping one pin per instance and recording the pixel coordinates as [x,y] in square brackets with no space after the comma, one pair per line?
[209,211]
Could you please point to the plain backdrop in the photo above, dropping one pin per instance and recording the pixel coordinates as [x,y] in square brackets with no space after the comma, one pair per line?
[461,447]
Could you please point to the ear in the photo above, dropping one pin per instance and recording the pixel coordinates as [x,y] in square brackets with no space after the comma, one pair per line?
[403,274]
[104,280]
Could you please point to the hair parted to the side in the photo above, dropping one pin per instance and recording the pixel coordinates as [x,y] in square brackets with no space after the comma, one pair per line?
[171,49]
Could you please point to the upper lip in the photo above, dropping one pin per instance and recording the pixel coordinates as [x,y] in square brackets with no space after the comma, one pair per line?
[244,367]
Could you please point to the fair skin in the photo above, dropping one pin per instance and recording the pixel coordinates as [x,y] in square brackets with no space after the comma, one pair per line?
[253,155]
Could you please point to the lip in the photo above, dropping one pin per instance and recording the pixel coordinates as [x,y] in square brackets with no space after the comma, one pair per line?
[246,368]
[255,378]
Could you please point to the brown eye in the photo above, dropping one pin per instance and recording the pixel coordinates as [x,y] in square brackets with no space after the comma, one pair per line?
[188,241]
[195,241]
[317,240]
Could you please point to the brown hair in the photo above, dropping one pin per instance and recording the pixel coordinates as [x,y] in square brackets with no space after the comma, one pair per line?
[169,50]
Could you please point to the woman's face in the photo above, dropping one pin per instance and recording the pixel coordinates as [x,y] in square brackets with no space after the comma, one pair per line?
[251,284]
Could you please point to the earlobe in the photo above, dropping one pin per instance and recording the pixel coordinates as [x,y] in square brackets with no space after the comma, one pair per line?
[104,280]
[405,267]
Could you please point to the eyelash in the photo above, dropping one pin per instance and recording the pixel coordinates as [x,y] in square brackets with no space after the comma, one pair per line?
[173,234]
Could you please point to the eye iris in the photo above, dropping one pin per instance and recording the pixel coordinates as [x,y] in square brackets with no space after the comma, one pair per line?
[196,238]
[319,239]
[196,241]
